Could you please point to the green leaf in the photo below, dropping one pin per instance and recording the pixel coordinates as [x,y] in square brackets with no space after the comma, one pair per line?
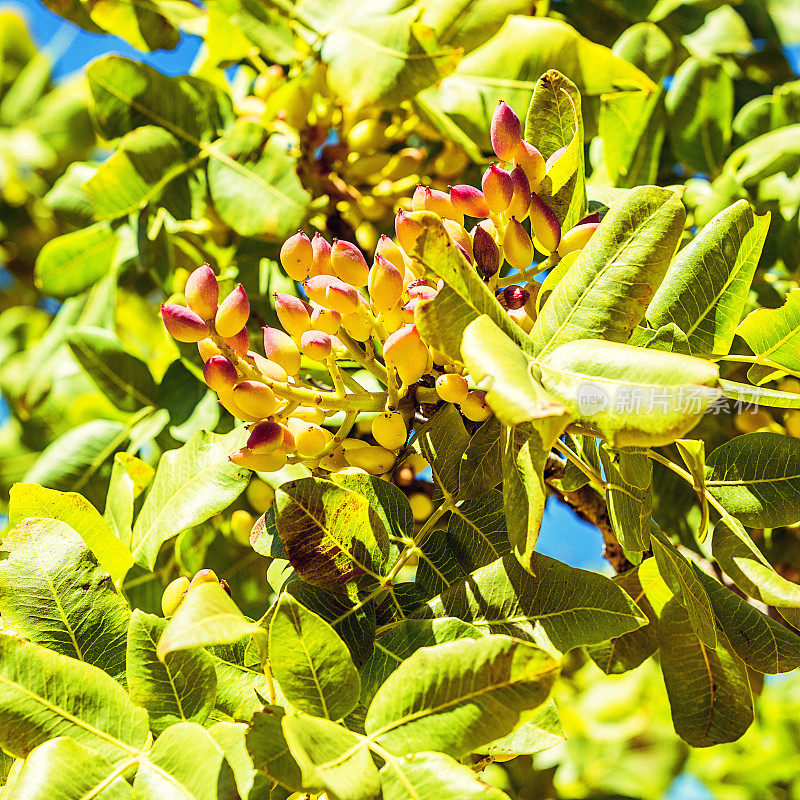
[602,295]
[757,396]
[44,695]
[481,466]
[401,641]
[73,458]
[623,653]
[331,758]
[700,107]
[709,690]
[191,484]
[128,94]
[467,24]
[137,172]
[431,776]
[723,32]
[631,396]
[508,65]
[130,476]
[388,502]
[311,663]
[207,616]
[54,593]
[251,783]
[554,121]
[144,25]
[443,440]
[125,379]
[241,682]
[384,58]
[629,496]
[763,644]
[329,533]
[181,688]
[257,194]
[681,577]
[756,477]
[185,762]
[632,125]
[457,696]
[62,769]
[774,333]
[73,262]
[32,500]
[557,606]
[706,286]
[540,731]
[500,367]
[269,751]
[525,451]
[739,557]
[693,453]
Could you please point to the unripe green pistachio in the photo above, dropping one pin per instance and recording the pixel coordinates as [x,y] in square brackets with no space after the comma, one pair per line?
[203,576]
[219,373]
[239,342]
[255,398]
[389,430]
[460,236]
[438,202]
[385,284]
[310,439]
[544,224]
[202,292]
[321,250]
[418,198]
[232,313]
[226,400]
[532,162]
[498,188]
[485,252]
[242,526]
[451,387]
[421,506]
[577,238]
[265,437]
[207,349]
[505,131]
[408,230]
[316,345]
[521,199]
[260,495]
[349,264]
[293,313]
[173,595]
[279,347]
[469,200]
[373,459]
[357,326]
[183,324]
[391,252]
[406,352]
[332,293]
[517,245]
[474,406]
[325,320]
[297,256]
[259,462]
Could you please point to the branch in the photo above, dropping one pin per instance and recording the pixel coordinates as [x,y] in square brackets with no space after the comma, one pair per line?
[590,506]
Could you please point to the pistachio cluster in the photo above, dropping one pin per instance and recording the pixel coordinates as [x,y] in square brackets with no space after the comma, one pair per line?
[359,312]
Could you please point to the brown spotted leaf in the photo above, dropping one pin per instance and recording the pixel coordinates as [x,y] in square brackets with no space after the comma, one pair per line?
[330,534]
